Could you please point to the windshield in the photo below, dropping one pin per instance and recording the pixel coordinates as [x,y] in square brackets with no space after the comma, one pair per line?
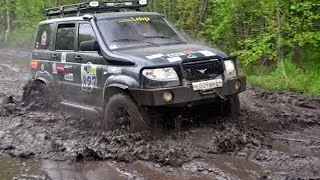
[137,32]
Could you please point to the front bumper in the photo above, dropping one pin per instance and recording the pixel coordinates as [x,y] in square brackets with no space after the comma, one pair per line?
[185,94]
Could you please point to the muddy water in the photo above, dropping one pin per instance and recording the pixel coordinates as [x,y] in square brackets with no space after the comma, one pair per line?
[16,168]
[276,137]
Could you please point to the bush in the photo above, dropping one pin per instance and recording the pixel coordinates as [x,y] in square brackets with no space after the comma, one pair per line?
[301,80]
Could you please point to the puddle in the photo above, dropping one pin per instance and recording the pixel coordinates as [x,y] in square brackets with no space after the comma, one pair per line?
[15,168]
[157,172]
[219,166]
[226,166]
[84,171]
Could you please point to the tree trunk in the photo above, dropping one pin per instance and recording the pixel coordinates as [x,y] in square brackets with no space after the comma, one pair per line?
[298,54]
[8,24]
[164,8]
[203,11]
[154,5]
[279,43]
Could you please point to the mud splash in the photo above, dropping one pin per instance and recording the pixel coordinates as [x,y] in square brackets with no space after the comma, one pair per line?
[64,135]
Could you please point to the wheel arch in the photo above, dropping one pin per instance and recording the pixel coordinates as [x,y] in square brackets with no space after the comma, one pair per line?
[119,84]
[45,77]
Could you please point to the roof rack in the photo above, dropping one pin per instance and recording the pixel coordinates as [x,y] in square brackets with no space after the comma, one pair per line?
[94,7]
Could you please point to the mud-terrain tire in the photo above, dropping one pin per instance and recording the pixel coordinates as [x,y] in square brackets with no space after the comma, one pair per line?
[121,112]
[231,107]
[37,92]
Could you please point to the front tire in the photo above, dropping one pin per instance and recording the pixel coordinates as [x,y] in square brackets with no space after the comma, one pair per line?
[231,107]
[121,112]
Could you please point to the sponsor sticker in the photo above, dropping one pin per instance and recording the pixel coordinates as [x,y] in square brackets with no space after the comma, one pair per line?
[69,77]
[114,70]
[176,54]
[135,19]
[88,77]
[155,56]
[60,68]
[174,59]
[207,53]
[113,46]
[192,56]
[54,68]
[42,67]
[44,38]
[63,57]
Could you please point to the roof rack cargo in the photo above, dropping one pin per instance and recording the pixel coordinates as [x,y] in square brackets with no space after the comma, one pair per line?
[94,7]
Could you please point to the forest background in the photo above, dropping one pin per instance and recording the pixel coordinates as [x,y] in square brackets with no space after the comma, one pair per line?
[276,41]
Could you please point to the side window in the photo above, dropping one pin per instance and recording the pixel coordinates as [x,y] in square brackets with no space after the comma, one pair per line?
[86,33]
[65,37]
[44,36]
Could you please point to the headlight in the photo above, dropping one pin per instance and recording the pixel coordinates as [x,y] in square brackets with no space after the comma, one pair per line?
[231,71]
[161,74]
[229,66]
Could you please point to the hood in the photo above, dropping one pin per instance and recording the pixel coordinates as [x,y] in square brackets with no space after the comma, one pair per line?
[171,53]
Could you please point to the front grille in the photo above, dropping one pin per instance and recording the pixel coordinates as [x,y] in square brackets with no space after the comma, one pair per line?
[195,71]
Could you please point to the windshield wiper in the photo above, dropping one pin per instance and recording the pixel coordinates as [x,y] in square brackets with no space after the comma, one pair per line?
[164,37]
[136,40]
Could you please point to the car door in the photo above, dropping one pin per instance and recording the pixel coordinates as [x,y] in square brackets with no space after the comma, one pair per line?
[62,59]
[88,79]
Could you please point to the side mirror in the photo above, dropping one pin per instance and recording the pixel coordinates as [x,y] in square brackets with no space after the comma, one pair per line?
[89,46]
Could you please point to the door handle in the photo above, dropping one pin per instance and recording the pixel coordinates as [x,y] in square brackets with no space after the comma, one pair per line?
[78,58]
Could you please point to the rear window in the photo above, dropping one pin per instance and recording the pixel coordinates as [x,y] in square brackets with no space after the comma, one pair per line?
[44,36]
[65,37]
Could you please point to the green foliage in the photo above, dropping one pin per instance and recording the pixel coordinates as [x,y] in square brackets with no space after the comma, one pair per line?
[183,14]
[299,79]
[254,29]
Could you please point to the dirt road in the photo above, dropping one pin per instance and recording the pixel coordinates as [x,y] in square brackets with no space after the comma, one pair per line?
[276,137]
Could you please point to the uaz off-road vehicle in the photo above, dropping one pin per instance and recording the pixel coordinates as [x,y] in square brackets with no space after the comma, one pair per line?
[100,58]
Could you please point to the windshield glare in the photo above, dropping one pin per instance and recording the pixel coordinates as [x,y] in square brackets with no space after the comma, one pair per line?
[136,32]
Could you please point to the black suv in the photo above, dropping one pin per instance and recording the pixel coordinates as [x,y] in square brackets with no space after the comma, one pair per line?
[122,64]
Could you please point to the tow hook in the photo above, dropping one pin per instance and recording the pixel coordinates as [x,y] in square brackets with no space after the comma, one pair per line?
[221,96]
[211,92]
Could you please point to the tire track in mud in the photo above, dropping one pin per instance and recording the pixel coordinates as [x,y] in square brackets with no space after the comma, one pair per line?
[276,137]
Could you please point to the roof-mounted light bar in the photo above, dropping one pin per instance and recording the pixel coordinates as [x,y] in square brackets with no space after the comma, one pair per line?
[95,7]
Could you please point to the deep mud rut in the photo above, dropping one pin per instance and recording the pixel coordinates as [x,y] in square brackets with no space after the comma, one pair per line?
[276,137]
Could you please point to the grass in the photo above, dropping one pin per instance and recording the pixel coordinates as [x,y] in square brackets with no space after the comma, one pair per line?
[304,79]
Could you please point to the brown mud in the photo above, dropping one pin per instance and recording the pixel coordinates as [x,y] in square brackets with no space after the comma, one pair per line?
[276,137]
